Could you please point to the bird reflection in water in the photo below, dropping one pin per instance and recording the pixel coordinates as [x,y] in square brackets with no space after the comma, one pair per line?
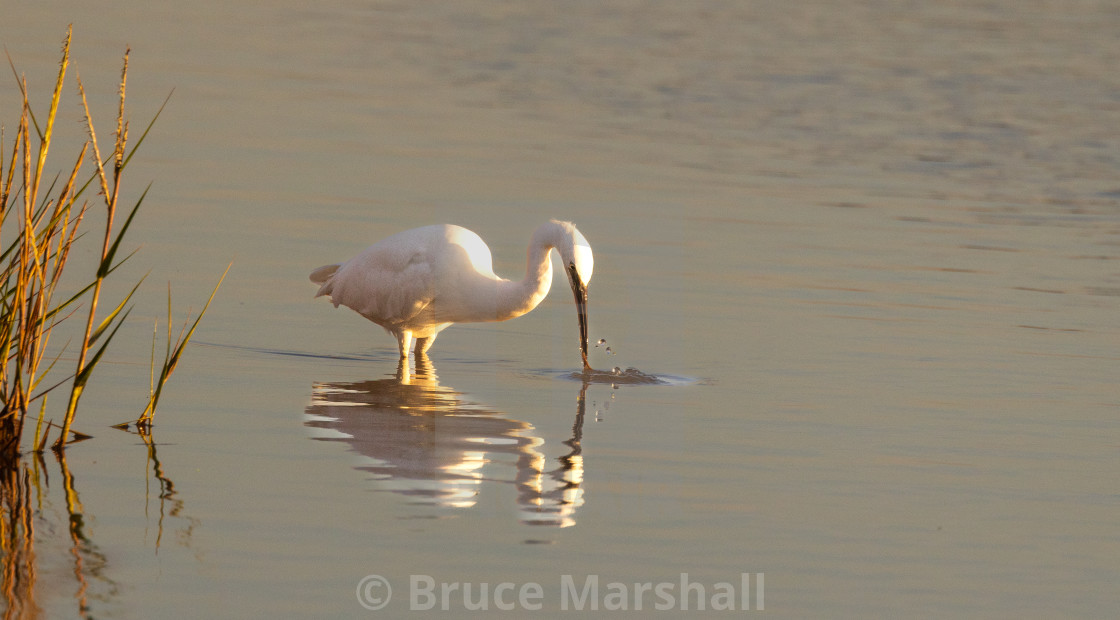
[426,443]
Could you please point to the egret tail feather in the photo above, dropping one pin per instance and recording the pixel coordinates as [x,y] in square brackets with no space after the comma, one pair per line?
[324,273]
[322,276]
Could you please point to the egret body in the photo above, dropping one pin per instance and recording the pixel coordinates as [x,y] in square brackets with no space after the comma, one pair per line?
[418,282]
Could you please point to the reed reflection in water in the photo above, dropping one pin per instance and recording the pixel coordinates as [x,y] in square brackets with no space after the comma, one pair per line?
[430,445]
[29,548]
[30,545]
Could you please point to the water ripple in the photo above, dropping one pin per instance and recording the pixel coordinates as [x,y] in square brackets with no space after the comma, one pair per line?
[616,376]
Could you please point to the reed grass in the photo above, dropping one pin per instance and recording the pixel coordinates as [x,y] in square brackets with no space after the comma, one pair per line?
[46,222]
[172,355]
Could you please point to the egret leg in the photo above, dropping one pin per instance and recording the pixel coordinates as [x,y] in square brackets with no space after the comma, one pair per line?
[423,344]
[404,342]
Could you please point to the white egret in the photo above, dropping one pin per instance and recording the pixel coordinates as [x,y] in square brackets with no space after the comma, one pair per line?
[418,282]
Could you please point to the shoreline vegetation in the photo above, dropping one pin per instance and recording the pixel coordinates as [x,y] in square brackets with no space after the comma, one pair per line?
[39,225]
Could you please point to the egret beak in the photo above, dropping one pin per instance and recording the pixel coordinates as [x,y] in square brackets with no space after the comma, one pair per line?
[580,292]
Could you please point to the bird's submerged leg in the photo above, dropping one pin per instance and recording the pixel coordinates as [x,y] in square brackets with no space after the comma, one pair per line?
[423,344]
[404,342]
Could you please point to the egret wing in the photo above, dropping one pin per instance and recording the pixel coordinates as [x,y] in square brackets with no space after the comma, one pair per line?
[385,286]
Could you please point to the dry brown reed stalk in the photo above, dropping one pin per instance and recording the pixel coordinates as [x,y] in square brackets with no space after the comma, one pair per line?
[108,249]
[30,268]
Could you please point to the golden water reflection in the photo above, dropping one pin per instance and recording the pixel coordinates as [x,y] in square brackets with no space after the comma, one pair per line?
[425,442]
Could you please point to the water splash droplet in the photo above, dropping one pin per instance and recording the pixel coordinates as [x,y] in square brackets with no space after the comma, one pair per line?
[601,341]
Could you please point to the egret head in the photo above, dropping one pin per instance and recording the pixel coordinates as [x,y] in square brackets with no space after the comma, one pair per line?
[579,263]
[573,248]
[582,258]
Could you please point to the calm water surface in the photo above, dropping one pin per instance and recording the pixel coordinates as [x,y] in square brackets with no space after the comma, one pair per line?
[872,246]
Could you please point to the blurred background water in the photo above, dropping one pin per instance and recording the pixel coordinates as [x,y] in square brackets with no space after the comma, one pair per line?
[873,245]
